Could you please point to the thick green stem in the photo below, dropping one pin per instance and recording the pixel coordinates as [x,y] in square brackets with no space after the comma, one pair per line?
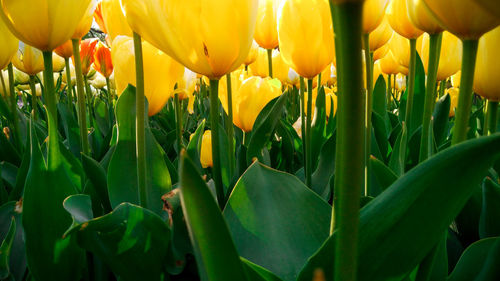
[34,97]
[54,158]
[270,61]
[411,82]
[430,93]
[308,137]
[178,123]
[80,93]
[465,93]
[349,174]
[492,117]
[214,123]
[140,123]
[229,123]
[368,107]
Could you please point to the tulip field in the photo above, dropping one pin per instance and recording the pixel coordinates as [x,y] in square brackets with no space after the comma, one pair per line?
[249,140]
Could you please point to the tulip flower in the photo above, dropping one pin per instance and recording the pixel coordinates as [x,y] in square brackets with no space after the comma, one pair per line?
[330,98]
[58,63]
[252,96]
[450,58]
[373,13]
[282,69]
[329,76]
[28,59]
[102,60]
[455,79]
[87,49]
[9,47]
[260,66]
[65,50]
[381,35]
[380,52]
[266,29]
[99,18]
[114,20]
[399,20]
[490,6]
[422,18]
[86,22]
[252,55]
[160,71]
[486,80]
[214,41]
[453,92]
[389,65]
[237,78]
[186,85]
[305,36]
[465,19]
[31,22]
[400,48]
[206,159]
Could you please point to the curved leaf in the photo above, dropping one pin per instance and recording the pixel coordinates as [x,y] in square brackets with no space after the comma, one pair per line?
[489,222]
[474,261]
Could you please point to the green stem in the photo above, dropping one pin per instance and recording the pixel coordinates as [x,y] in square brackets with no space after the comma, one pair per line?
[303,119]
[15,118]
[80,93]
[178,123]
[69,88]
[308,137]
[389,91]
[492,117]
[34,97]
[270,61]
[347,19]
[430,93]
[442,88]
[140,121]
[369,105]
[465,93]
[89,100]
[54,158]
[411,83]
[230,127]
[214,122]
[109,95]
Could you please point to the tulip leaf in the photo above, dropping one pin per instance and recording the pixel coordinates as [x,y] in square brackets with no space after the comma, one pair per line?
[490,214]
[318,127]
[418,97]
[258,273]
[273,217]
[379,130]
[383,174]
[49,255]
[214,249]
[8,152]
[122,175]
[441,119]
[379,97]
[477,262]
[194,146]
[22,172]
[5,250]
[325,171]
[400,226]
[71,129]
[398,157]
[263,129]
[97,176]
[131,240]
[17,258]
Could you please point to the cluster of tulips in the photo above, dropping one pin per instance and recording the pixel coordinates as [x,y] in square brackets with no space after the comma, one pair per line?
[249,140]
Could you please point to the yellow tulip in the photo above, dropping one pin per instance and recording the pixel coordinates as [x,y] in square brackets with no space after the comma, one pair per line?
[373,13]
[28,59]
[389,65]
[44,24]
[58,63]
[455,79]
[9,45]
[305,36]
[114,20]
[381,35]
[422,18]
[252,54]
[266,29]
[73,75]
[206,150]
[450,59]
[252,96]
[281,69]
[453,92]
[160,71]
[330,98]
[397,14]
[260,66]
[465,19]
[86,22]
[486,80]
[186,85]
[329,75]
[4,87]
[207,36]
[380,52]
[400,83]
[98,81]
[400,48]
[237,77]
[377,71]
[490,6]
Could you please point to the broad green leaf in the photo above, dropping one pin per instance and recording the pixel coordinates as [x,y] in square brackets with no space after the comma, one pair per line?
[97,176]
[434,267]
[379,97]
[122,170]
[131,240]
[489,222]
[418,98]
[400,226]
[8,152]
[379,129]
[71,129]
[214,249]
[258,273]
[383,174]
[475,262]
[5,250]
[325,171]
[398,157]
[8,173]
[275,220]
[22,172]
[262,130]
[50,256]
[194,146]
